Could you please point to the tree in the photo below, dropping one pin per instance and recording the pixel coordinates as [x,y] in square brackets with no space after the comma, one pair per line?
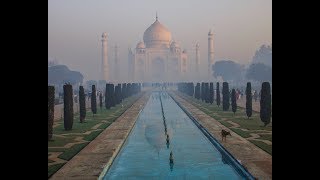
[112,96]
[265,103]
[50,111]
[218,95]
[107,97]
[100,98]
[93,100]
[207,93]
[228,70]
[197,91]
[248,100]
[124,90]
[263,55]
[202,91]
[233,101]
[60,74]
[259,72]
[225,96]
[82,102]
[211,93]
[68,106]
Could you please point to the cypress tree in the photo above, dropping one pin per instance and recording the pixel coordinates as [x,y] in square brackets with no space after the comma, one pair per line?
[50,111]
[112,96]
[82,102]
[233,101]
[120,93]
[107,96]
[124,89]
[218,95]
[207,93]
[211,93]
[225,96]
[202,91]
[68,106]
[100,98]
[265,103]
[197,91]
[248,100]
[94,100]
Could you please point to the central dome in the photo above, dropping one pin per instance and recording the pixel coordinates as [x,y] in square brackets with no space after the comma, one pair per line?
[157,36]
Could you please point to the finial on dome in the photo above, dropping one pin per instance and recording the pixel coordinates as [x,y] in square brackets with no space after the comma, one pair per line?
[156,16]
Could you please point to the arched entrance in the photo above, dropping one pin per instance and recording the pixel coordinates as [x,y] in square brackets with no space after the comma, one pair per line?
[158,69]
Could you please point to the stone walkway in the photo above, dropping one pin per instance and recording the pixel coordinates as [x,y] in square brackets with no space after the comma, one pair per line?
[255,104]
[99,153]
[257,161]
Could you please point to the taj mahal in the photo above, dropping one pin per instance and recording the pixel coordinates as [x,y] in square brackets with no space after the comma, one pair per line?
[158,58]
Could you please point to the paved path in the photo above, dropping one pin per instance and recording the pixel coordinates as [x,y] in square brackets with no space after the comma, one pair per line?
[99,153]
[58,109]
[255,104]
[257,161]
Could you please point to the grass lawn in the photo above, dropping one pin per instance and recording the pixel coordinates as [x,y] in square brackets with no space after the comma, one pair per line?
[242,133]
[267,148]
[54,168]
[253,124]
[266,137]
[70,152]
[95,123]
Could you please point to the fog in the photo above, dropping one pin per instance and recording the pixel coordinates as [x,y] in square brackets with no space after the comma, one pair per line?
[240,27]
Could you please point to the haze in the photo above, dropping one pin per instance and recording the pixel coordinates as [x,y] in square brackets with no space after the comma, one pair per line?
[240,27]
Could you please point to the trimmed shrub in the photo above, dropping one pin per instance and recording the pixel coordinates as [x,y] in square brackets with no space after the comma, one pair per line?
[225,96]
[218,99]
[93,100]
[68,107]
[50,111]
[233,101]
[265,103]
[82,102]
[211,93]
[248,100]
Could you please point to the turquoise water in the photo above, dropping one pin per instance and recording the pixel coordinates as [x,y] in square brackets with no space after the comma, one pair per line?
[145,154]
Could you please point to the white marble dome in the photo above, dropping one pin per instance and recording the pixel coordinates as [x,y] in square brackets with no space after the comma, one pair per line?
[157,36]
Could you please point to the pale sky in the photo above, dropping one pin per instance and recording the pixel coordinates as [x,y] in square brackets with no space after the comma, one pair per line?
[240,27]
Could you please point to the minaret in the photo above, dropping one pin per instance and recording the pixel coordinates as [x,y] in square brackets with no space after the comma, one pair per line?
[197,60]
[116,66]
[210,54]
[105,65]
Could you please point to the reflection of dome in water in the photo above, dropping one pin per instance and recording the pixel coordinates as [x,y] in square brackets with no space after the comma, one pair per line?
[155,136]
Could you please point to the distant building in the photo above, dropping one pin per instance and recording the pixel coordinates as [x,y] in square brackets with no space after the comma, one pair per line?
[158,58]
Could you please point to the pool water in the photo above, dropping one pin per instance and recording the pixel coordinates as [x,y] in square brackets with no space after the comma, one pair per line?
[146,153]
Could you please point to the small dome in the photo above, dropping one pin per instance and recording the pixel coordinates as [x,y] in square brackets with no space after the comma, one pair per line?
[174,45]
[140,45]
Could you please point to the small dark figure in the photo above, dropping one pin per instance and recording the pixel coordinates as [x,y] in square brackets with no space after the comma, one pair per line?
[167,138]
[224,134]
[171,158]
[255,96]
